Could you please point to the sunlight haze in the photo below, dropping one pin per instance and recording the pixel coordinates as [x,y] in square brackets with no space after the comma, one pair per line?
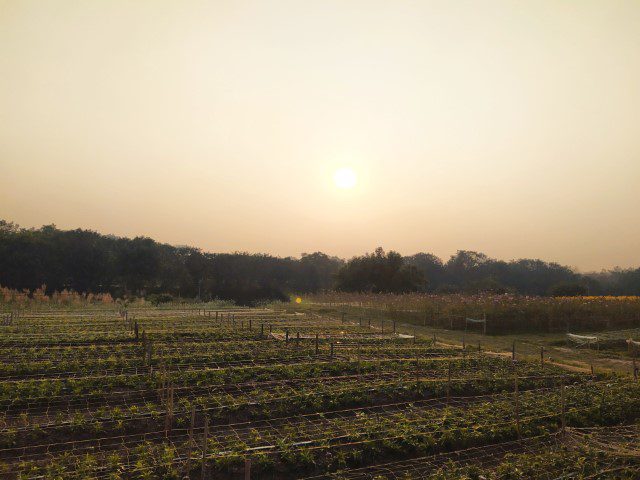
[506,127]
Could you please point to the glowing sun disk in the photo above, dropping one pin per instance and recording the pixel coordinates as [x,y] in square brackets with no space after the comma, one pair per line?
[345,178]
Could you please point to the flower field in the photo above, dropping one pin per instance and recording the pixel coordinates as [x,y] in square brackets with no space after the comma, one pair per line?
[228,393]
[504,313]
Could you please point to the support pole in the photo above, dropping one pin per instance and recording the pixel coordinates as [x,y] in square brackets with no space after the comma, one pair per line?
[449,382]
[563,419]
[204,447]
[516,400]
[247,469]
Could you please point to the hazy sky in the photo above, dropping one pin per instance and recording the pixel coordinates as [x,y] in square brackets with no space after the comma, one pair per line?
[508,127]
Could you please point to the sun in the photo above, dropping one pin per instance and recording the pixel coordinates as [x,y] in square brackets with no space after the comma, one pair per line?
[345,178]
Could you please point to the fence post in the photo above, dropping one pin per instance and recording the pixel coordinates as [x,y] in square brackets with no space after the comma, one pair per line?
[286,335]
[449,382]
[317,346]
[517,406]
[168,423]
[513,350]
[150,351]
[247,469]
[250,325]
[135,329]
[193,421]
[204,447]
[261,330]
[191,441]
[414,336]
[542,356]
[563,419]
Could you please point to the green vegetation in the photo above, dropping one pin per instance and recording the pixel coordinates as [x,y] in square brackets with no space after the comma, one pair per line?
[150,392]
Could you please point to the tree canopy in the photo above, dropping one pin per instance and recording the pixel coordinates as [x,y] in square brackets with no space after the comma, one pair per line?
[89,262]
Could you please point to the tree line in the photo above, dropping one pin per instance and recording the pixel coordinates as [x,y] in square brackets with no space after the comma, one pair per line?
[87,261]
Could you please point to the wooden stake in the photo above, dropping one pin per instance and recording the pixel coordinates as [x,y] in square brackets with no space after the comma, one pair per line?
[517,406]
[191,441]
[247,469]
[192,425]
[563,419]
[169,417]
[449,382]
[204,447]
[317,345]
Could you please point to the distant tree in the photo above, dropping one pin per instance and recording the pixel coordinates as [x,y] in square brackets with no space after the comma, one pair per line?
[431,268]
[379,272]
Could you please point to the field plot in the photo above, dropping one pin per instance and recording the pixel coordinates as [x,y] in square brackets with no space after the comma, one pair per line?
[258,393]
